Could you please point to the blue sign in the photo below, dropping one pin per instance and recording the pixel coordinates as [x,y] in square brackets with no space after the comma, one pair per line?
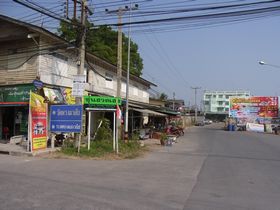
[38,84]
[66,118]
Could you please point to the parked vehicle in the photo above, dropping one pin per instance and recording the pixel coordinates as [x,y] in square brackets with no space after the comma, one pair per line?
[208,122]
[199,123]
[175,130]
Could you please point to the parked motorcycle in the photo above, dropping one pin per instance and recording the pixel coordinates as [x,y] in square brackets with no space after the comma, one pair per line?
[174,130]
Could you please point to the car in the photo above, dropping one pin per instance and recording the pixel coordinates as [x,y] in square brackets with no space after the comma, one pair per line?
[208,122]
[199,123]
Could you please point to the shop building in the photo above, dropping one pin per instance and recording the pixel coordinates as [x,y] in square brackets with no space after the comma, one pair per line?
[34,59]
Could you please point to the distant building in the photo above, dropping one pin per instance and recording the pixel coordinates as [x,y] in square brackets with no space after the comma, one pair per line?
[217,102]
[176,105]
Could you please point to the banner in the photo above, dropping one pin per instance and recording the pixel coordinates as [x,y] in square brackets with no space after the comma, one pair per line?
[67,95]
[254,109]
[255,127]
[38,111]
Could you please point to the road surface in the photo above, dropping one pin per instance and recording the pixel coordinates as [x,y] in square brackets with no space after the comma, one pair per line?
[208,169]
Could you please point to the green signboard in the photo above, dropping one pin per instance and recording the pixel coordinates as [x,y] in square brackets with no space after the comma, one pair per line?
[17,93]
[102,100]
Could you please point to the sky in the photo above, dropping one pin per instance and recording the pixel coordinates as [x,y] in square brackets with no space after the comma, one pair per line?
[213,58]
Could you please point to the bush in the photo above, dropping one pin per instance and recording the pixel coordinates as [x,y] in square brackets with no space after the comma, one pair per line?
[104,148]
[104,132]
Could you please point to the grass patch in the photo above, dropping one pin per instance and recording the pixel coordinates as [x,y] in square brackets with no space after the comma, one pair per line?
[104,150]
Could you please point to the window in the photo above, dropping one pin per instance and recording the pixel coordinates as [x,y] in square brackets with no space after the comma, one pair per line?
[220,109]
[227,103]
[220,96]
[226,109]
[227,96]
[206,103]
[214,96]
[220,103]
[208,96]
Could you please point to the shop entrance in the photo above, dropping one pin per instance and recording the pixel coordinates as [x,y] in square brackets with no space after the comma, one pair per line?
[13,121]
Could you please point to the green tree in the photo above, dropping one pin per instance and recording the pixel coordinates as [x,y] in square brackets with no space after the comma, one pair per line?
[163,96]
[103,42]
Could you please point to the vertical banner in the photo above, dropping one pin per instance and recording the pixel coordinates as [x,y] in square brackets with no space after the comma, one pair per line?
[38,110]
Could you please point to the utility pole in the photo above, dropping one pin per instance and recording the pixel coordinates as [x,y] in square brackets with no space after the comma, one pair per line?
[78,99]
[195,92]
[119,59]
[173,101]
[75,8]
[66,9]
[120,12]
[128,69]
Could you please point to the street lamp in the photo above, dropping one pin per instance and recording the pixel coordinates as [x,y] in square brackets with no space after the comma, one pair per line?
[268,64]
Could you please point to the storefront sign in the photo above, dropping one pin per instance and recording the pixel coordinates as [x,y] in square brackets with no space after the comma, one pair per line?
[66,118]
[18,94]
[102,100]
[38,111]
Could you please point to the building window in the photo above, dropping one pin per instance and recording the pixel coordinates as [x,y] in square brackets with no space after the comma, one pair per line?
[214,96]
[227,96]
[208,96]
[220,103]
[226,109]
[206,103]
[220,109]
[220,96]
[227,103]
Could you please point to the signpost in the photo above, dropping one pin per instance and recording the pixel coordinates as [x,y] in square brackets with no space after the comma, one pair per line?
[102,104]
[66,118]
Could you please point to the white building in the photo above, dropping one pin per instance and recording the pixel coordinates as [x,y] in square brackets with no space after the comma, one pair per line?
[217,102]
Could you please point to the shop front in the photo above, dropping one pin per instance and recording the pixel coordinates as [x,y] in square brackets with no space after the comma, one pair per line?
[14,109]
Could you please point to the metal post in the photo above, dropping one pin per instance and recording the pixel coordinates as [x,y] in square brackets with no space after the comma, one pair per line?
[127,73]
[114,132]
[173,101]
[195,92]
[89,126]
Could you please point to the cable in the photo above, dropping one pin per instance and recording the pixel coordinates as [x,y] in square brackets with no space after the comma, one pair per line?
[94,70]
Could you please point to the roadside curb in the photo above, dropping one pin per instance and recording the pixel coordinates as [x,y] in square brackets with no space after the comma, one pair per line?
[28,154]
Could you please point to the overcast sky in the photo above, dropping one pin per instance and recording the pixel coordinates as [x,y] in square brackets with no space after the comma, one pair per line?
[213,58]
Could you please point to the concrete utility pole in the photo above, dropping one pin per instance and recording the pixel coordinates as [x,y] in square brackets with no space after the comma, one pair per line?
[119,59]
[195,92]
[78,99]
[120,13]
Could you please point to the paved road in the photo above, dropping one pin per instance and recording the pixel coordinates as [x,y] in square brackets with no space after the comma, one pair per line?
[208,169]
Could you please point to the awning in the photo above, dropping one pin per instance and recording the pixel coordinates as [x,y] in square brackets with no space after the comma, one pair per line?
[149,112]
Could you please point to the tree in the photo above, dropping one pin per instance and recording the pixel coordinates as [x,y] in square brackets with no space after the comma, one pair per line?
[163,96]
[103,43]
